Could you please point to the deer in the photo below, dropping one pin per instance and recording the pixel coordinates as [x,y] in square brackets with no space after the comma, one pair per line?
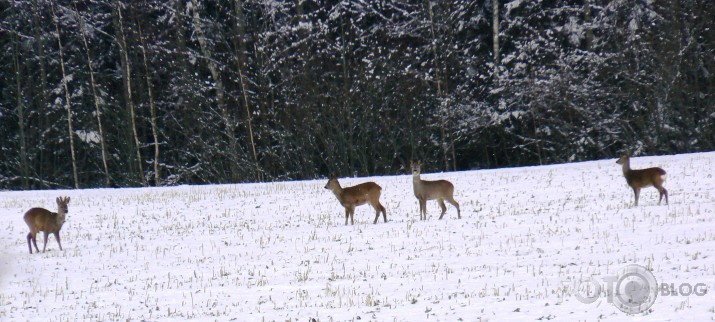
[429,190]
[43,220]
[643,178]
[358,195]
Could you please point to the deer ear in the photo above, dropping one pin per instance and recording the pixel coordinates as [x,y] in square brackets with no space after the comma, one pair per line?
[67,199]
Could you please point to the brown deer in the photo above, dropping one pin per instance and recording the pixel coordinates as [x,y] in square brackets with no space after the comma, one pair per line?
[642,178]
[358,195]
[43,220]
[428,190]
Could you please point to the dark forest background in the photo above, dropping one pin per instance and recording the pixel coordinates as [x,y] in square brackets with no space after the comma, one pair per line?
[164,92]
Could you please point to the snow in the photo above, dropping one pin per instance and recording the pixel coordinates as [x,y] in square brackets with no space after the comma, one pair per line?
[574,30]
[511,5]
[88,137]
[280,251]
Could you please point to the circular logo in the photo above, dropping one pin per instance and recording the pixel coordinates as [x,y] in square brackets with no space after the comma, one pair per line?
[636,289]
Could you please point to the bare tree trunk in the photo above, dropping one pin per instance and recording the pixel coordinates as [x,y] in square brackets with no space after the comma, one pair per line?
[347,100]
[126,75]
[44,96]
[185,99]
[495,30]
[229,125]
[20,117]
[588,20]
[152,109]
[536,135]
[241,66]
[440,91]
[68,103]
[454,155]
[97,108]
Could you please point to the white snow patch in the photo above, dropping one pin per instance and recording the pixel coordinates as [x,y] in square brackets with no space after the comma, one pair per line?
[88,136]
[280,251]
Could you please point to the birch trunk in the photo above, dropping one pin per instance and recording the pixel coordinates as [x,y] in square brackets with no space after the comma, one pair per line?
[68,103]
[24,172]
[495,30]
[126,75]
[241,66]
[95,95]
[152,109]
[44,93]
[441,92]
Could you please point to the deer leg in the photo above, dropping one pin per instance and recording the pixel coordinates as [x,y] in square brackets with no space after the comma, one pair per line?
[662,192]
[352,215]
[636,192]
[34,242]
[442,206]
[57,236]
[423,210]
[347,215]
[29,241]
[424,207]
[419,202]
[456,205]
[44,247]
[384,212]
[377,212]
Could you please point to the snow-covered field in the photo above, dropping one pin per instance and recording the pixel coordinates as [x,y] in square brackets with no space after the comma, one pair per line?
[281,251]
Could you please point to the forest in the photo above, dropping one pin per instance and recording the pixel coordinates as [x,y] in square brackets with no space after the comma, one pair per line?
[165,92]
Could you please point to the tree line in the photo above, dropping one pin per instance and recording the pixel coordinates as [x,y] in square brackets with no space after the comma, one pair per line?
[138,93]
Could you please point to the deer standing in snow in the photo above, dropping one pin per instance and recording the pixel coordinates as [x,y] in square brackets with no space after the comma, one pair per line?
[428,190]
[43,220]
[358,195]
[642,178]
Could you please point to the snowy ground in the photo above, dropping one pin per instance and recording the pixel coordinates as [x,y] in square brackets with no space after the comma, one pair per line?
[280,251]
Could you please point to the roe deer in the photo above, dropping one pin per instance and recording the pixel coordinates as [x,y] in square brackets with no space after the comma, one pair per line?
[358,195]
[428,190]
[642,178]
[43,220]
